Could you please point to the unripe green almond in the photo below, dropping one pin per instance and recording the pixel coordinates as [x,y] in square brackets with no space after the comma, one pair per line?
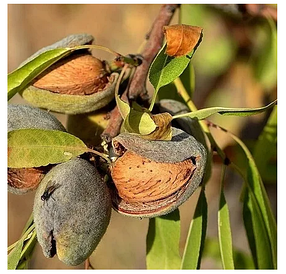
[24,116]
[71,104]
[23,180]
[153,178]
[72,210]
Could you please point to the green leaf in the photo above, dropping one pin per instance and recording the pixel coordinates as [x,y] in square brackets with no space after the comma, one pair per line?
[196,235]
[165,69]
[266,147]
[206,112]
[256,232]
[139,122]
[188,79]
[136,120]
[224,230]
[40,147]
[259,209]
[22,249]
[242,260]
[265,62]
[123,107]
[27,251]
[163,242]
[22,76]
[28,224]
[15,255]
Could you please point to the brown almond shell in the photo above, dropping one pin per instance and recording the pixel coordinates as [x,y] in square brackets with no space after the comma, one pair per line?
[77,74]
[71,104]
[153,178]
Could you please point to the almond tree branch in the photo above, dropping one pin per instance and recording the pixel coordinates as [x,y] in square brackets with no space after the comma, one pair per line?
[138,83]
[154,42]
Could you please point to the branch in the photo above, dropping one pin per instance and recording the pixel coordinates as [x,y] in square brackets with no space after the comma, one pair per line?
[138,83]
[154,42]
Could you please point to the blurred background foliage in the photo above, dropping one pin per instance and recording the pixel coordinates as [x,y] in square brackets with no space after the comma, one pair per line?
[235,66]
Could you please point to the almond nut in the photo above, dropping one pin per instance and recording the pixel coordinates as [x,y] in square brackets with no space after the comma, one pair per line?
[152,178]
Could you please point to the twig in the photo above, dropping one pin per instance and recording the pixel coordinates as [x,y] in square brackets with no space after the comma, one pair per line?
[154,43]
[86,264]
[138,82]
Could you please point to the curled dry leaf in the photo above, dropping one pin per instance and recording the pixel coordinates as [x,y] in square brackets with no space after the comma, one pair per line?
[181,39]
[163,129]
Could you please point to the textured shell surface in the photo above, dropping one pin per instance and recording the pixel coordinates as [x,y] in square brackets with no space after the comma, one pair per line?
[71,104]
[153,178]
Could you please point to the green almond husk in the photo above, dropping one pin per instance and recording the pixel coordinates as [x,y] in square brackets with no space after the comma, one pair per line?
[71,220]
[71,104]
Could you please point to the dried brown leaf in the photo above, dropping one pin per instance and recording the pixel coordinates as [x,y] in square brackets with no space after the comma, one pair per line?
[181,39]
[163,130]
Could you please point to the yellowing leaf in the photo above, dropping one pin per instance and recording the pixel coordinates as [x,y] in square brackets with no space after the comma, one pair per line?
[181,39]
[139,122]
[123,107]
[40,147]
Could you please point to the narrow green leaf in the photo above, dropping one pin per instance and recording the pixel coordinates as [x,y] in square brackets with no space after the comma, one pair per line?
[123,107]
[15,255]
[224,229]
[23,248]
[242,260]
[265,63]
[165,69]
[163,242]
[28,224]
[256,231]
[266,147]
[28,250]
[22,76]
[39,147]
[196,235]
[260,211]
[188,79]
[206,112]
